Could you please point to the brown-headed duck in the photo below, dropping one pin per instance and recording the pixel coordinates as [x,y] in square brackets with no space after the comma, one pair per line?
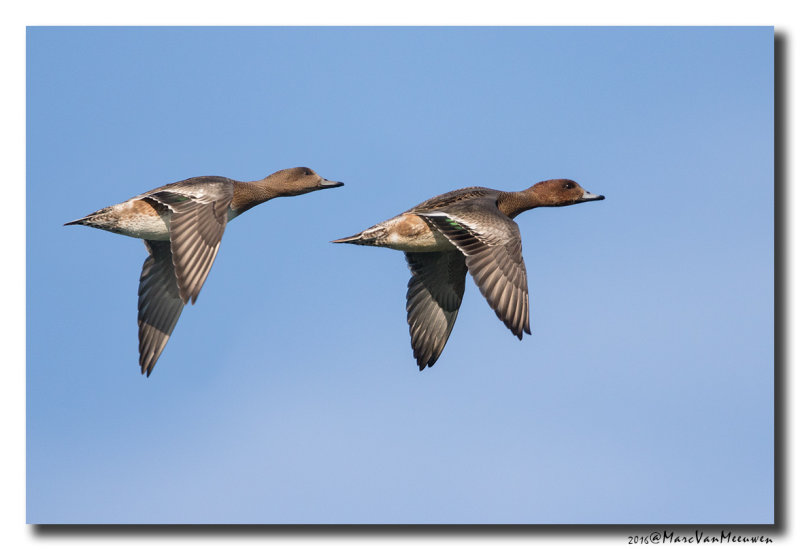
[473,230]
[182,225]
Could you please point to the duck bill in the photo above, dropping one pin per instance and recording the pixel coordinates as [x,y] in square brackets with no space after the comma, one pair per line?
[590,197]
[325,184]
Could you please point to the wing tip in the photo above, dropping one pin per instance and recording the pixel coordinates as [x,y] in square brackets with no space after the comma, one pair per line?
[519,332]
[147,365]
[426,359]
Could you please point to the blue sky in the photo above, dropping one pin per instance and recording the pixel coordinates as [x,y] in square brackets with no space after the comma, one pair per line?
[289,394]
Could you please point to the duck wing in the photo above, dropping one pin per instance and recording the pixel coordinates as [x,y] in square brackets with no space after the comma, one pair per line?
[160,303]
[199,215]
[492,245]
[434,296]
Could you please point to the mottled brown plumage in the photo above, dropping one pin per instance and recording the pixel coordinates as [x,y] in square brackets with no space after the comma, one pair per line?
[470,229]
[182,225]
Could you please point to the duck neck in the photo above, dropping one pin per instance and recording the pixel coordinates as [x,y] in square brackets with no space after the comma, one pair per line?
[247,194]
[514,203]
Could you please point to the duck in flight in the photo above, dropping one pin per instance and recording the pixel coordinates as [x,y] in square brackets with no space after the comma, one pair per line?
[182,225]
[473,230]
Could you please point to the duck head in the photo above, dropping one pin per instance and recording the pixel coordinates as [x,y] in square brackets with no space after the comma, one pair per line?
[298,181]
[561,193]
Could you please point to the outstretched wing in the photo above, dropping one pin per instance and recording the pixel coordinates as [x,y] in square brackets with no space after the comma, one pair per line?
[434,296]
[160,304]
[196,226]
[492,245]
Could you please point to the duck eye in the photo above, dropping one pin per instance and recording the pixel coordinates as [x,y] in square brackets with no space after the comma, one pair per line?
[568,185]
[307,172]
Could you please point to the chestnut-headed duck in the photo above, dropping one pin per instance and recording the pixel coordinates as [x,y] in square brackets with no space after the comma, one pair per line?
[182,225]
[473,230]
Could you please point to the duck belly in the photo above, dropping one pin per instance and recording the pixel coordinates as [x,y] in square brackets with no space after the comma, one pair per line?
[151,228]
[411,233]
[133,218]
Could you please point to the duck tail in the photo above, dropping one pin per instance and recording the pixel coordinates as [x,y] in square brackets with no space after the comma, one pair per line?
[79,221]
[91,219]
[367,237]
[353,239]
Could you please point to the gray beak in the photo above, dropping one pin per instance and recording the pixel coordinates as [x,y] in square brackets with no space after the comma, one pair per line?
[328,183]
[590,197]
